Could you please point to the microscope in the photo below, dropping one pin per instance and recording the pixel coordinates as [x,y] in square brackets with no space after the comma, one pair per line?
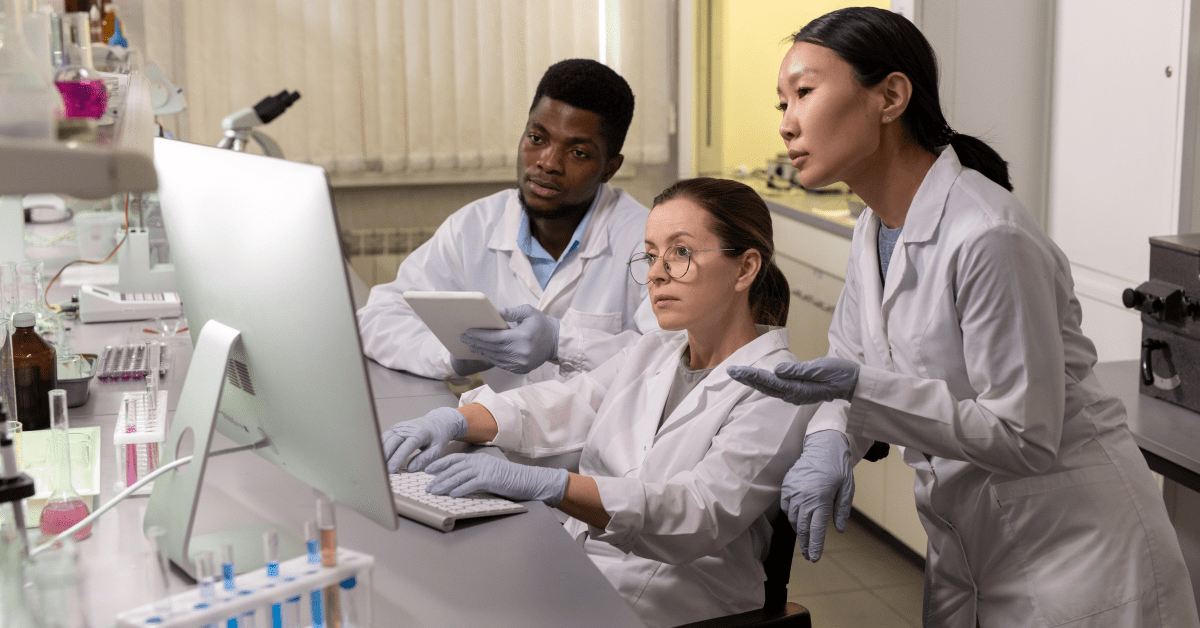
[240,125]
[1170,310]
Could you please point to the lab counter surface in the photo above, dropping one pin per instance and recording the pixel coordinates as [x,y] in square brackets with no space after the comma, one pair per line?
[522,570]
[1168,435]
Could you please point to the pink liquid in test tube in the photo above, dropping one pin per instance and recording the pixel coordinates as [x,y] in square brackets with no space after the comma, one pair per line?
[83,99]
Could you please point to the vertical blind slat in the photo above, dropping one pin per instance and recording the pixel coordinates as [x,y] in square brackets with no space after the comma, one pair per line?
[406,85]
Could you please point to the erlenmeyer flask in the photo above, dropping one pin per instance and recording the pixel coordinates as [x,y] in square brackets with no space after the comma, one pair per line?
[64,508]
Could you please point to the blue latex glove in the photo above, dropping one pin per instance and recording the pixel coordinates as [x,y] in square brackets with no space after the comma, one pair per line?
[431,433]
[460,474]
[822,379]
[820,479]
[469,367]
[521,349]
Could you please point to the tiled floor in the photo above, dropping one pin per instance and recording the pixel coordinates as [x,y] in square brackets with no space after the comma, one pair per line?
[859,581]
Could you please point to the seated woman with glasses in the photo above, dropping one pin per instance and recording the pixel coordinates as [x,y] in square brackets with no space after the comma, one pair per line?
[680,464]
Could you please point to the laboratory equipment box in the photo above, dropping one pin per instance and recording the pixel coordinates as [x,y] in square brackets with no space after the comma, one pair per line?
[1169,303]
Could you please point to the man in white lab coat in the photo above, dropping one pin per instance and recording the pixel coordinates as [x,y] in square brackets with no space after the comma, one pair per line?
[551,254]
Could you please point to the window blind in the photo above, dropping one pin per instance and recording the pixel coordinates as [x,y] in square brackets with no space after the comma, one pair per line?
[415,89]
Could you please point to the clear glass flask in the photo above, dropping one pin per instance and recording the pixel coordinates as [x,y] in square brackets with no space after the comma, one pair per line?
[64,508]
[80,84]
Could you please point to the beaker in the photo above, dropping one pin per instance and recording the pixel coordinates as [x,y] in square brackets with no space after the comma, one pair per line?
[64,508]
[16,610]
[30,288]
[8,290]
[58,579]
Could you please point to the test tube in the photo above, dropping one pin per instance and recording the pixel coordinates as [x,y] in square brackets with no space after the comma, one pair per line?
[271,557]
[205,580]
[291,613]
[313,543]
[131,474]
[227,566]
[349,612]
[160,581]
[328,529]
[152,358]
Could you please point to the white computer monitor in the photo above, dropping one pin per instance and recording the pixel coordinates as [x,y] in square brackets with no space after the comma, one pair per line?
[277,360]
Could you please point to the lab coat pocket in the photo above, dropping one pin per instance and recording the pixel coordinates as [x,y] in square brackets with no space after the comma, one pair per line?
[1081,540]
[607,323]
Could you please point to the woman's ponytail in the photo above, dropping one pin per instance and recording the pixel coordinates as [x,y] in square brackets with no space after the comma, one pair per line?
[876,43]
[770,296]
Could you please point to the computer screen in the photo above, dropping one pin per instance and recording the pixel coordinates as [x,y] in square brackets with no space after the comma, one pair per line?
[256,247]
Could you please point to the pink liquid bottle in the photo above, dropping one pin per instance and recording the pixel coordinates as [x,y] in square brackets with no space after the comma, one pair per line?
[80,84]
[64,508]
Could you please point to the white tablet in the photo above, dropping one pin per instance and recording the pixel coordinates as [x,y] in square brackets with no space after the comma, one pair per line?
[449,314]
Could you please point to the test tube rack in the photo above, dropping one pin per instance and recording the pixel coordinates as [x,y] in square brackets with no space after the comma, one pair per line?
[121,363]
[258,592]
[139,440]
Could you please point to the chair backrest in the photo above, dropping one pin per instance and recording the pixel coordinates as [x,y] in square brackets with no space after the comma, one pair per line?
[778,563]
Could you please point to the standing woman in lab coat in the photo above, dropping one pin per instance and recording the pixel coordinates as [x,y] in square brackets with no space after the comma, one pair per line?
[957,337]
[680,464]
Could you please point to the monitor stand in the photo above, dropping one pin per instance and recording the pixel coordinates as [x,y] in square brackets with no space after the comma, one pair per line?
[176,493]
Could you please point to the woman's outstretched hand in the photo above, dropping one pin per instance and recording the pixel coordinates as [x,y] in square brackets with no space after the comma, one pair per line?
[814,381]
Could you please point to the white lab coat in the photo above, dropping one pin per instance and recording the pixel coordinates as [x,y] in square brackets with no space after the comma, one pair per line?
[1040,509]
[687,503]
[600,308]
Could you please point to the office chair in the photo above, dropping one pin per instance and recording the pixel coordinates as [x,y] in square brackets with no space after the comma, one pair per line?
[777,611]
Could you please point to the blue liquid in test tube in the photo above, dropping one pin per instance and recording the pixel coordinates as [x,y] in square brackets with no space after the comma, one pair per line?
[313,544]
[227,577]
[271,554]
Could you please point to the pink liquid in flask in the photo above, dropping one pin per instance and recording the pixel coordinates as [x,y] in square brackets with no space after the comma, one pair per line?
[83,99]
[59,516]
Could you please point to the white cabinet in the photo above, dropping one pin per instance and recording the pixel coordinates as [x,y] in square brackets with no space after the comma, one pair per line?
[814,262]
[1122,149]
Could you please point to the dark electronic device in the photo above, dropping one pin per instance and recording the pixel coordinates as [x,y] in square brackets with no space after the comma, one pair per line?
[1170,306]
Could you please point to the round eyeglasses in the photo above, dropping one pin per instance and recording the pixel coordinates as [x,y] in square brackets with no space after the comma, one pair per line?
[676,261]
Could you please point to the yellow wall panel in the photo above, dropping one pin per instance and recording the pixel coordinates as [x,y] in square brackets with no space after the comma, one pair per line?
[755,38]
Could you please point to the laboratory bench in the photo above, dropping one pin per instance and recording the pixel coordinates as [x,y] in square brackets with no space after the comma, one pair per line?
[1167,434]
[519,570]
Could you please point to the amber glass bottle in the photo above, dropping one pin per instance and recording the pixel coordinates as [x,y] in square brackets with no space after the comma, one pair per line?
[35,369]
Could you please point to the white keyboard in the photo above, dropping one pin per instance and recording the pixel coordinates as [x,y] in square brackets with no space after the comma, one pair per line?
[442,511]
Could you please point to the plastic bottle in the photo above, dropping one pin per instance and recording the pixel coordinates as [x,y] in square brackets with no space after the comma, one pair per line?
[82,88]
[35,369]
[27,99]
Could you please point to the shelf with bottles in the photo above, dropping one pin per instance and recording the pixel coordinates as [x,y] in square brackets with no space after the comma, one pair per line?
[121,161]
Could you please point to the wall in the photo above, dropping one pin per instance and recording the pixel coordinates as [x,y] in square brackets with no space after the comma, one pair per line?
[995,76]
[755,34]
[423,207]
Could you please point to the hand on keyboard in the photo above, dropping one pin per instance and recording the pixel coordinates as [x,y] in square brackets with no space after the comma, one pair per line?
[430,433]
[459,474]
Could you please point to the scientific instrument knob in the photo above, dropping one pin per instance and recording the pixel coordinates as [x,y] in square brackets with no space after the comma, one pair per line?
[1132,298]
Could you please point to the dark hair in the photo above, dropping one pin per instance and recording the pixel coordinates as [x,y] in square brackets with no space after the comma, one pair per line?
[876,42]
[591,86]
[742,222]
